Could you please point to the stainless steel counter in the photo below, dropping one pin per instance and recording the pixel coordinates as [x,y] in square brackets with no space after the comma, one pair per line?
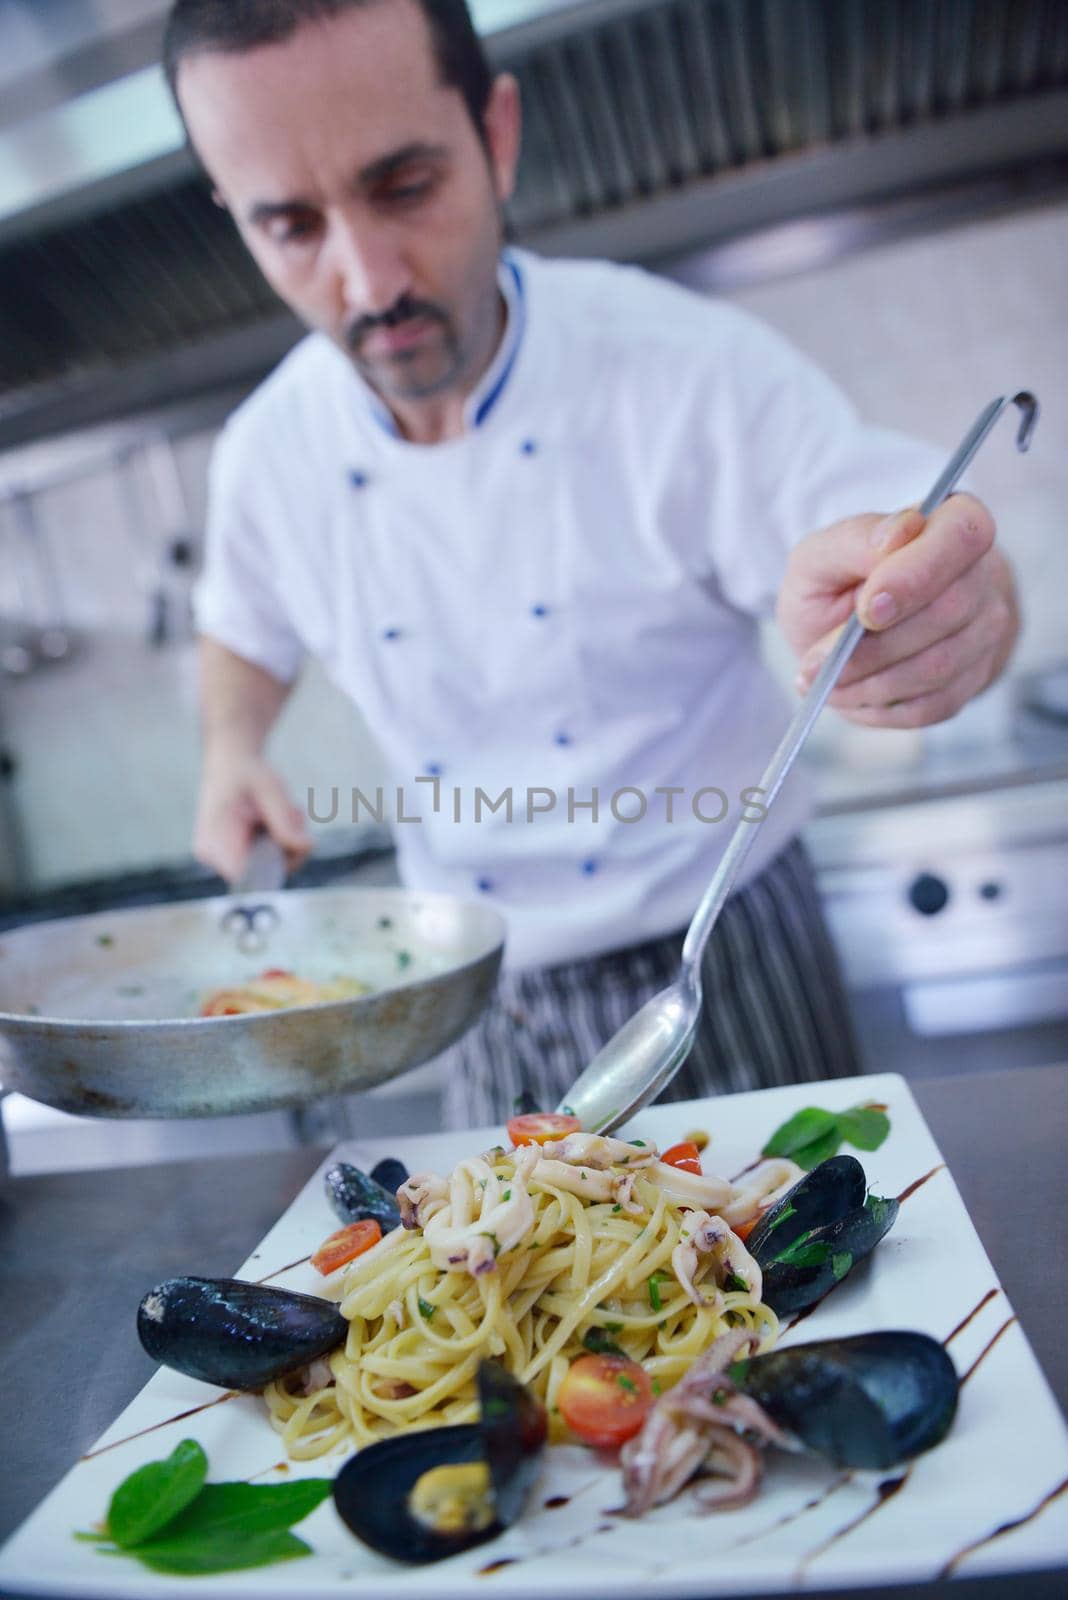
[77,1251]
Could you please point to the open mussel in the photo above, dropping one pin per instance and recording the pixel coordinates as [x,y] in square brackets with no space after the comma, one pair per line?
[811,1238]
[423,1495]
[868,1401]
[238,1335]
[354,1196]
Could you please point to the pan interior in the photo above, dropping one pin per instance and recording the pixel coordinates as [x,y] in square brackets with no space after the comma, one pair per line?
[160,963]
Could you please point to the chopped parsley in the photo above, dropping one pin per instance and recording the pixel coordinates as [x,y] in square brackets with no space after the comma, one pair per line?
[804,1251]
[877,1208]
[787,1211]
[654,1289]
[735,1281]
[426,1309]
[627,1383]
[597,1341]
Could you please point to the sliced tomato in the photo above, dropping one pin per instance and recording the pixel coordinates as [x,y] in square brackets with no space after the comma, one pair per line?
[604,1399]
[346,1244]
[742,1230]
[685,1156]
[538,1126]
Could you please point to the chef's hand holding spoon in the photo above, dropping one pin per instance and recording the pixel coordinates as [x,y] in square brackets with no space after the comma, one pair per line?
[936,595]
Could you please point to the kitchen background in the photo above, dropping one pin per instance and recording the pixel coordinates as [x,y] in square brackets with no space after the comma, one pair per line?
[884,181]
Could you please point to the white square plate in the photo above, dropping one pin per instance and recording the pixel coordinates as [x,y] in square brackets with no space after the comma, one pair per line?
[985,1500]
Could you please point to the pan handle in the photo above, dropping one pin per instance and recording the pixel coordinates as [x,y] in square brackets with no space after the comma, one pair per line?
[249,926]
[264,871]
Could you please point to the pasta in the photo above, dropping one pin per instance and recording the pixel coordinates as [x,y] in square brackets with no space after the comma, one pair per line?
[276,989]
[522,1256]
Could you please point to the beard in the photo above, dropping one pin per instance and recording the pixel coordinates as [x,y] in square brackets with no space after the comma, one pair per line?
[423,369]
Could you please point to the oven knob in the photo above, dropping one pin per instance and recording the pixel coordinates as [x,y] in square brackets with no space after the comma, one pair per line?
[928,894]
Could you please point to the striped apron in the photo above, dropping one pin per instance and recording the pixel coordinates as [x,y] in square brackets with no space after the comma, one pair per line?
[774,1010]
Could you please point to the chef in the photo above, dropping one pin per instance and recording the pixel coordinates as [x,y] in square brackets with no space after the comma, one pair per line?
[528,514]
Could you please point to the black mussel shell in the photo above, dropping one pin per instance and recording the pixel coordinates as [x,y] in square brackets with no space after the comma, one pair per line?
[390,1173]
[238,1335]
[353,1196]
[811,1238]
[514,1429]
[868,1401]
[371,1492]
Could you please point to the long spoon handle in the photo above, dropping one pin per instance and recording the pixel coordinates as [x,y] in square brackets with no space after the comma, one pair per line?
[804,718]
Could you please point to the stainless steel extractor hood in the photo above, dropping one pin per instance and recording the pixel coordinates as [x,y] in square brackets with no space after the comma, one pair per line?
[652,126]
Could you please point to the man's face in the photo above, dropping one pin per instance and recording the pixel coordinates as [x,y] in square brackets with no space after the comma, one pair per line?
[362,189]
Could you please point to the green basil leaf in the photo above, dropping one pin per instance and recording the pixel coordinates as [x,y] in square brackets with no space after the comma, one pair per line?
[819,1150]
[841,1262]
[863,1127]
[799,1131]
[221,1552]
[152,1496]
[241,1509]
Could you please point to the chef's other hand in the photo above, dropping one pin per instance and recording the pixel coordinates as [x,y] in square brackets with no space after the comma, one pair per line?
[938,598]
[238,798]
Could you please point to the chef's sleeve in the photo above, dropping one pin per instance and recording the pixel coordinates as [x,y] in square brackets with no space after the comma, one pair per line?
[797,457]
[238,599]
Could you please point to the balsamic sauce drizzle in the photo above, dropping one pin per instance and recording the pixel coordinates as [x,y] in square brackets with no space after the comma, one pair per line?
[990,1295]
[792,1516]
[1004,1527]
[987,1349]
[886,1491]
[278,1271]
[905,1193]
[231,1394]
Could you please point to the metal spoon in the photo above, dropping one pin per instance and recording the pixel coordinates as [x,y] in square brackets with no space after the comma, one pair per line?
[642,1058]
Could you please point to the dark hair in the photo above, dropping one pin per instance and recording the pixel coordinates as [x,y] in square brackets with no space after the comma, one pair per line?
[239,25]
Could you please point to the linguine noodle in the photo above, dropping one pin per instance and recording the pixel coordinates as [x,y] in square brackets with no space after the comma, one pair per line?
[519,1256]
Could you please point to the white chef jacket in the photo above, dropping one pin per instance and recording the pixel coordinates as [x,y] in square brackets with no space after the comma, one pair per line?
[565,599]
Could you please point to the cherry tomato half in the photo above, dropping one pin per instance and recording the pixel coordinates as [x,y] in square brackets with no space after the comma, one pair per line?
[275,972]
[604,1399]
[538,1126]
[346,1244]
[685,1156]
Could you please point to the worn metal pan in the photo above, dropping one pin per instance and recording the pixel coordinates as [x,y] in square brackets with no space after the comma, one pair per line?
[98,1014]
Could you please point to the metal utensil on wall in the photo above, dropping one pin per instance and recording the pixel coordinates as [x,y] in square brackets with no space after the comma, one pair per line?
[639,1061]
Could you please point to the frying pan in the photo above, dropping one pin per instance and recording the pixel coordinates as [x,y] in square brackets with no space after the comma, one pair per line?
[98,1014]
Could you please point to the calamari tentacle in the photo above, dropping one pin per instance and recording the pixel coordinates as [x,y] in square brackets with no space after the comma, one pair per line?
[710,1236]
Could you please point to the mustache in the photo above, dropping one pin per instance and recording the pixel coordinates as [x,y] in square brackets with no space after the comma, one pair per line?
[406,309]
